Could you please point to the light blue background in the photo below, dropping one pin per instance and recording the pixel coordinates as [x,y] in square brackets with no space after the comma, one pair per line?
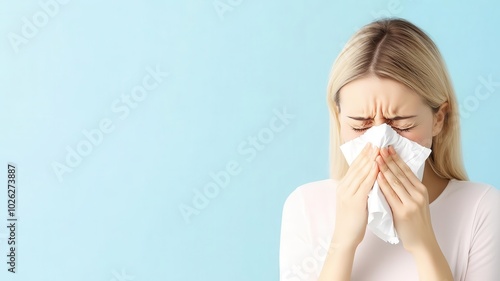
[118,212]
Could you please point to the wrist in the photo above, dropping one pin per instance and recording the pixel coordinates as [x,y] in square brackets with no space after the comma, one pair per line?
[343,245]
[425,246]
[431,262]
[428,252]
[339,261]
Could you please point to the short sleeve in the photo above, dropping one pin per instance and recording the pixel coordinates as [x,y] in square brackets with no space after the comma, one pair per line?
[295,241]
[484,252]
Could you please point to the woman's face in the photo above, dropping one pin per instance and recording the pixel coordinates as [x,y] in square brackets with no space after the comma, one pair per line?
[372,101]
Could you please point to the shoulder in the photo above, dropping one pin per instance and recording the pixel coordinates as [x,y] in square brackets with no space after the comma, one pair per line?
[309,207]
[472,190]
[470,195]
[312,192]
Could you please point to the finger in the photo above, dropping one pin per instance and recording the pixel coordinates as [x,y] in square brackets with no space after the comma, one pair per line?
[355,165]
[390,195]
[355,179]
[357,175]
[362,155]
[367,184]
[397,171]
[359,160]
[406,170]
[396,184]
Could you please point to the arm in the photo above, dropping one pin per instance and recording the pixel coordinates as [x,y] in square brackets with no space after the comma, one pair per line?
[350,225]
[338,263]
[431,263]
[409,202]
[351,216]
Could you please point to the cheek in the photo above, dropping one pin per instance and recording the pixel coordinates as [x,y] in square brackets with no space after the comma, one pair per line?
[422,138]
[348,134]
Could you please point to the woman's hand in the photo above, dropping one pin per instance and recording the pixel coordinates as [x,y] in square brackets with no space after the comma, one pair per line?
[351,215]
[409,202]
[352,196]
[408,199]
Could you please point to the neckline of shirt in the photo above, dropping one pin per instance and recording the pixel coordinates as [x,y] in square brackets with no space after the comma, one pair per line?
[443,193]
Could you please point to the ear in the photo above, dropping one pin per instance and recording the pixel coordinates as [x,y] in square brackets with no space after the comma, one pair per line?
[438,119]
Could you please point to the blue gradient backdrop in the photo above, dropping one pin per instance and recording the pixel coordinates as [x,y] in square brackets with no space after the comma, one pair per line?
[239,121]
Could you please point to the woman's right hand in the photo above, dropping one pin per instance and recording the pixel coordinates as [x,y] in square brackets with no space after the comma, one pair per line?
[352,197]
[351,216]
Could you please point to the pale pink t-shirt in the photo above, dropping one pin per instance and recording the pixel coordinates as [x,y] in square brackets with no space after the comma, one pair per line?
[465,219]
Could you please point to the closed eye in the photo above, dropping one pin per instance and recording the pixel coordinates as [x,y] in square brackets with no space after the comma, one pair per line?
[360,129]
[403,130]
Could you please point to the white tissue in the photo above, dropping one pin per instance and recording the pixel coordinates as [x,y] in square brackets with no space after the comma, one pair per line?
[380,220]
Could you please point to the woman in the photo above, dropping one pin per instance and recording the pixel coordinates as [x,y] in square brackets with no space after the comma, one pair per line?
[391,72]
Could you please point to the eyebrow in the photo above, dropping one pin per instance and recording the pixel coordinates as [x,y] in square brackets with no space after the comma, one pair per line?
[395,118]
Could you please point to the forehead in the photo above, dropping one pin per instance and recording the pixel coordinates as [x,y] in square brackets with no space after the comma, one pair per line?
[369,95]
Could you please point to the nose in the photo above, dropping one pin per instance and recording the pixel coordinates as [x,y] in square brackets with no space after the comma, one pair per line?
[379,120]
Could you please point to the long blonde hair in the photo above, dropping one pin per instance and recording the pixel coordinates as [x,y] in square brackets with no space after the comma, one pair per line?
[397,49]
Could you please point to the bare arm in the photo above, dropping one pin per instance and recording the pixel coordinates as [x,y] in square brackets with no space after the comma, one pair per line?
[351,216]
[431,263]
[409,202]
[338,263]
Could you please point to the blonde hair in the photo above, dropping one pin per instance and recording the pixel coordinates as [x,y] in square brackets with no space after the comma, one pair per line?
[397,49]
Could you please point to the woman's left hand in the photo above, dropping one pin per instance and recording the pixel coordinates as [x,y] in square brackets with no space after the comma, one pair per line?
[408,199]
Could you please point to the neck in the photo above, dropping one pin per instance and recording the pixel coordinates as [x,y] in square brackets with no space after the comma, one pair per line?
[434,183]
